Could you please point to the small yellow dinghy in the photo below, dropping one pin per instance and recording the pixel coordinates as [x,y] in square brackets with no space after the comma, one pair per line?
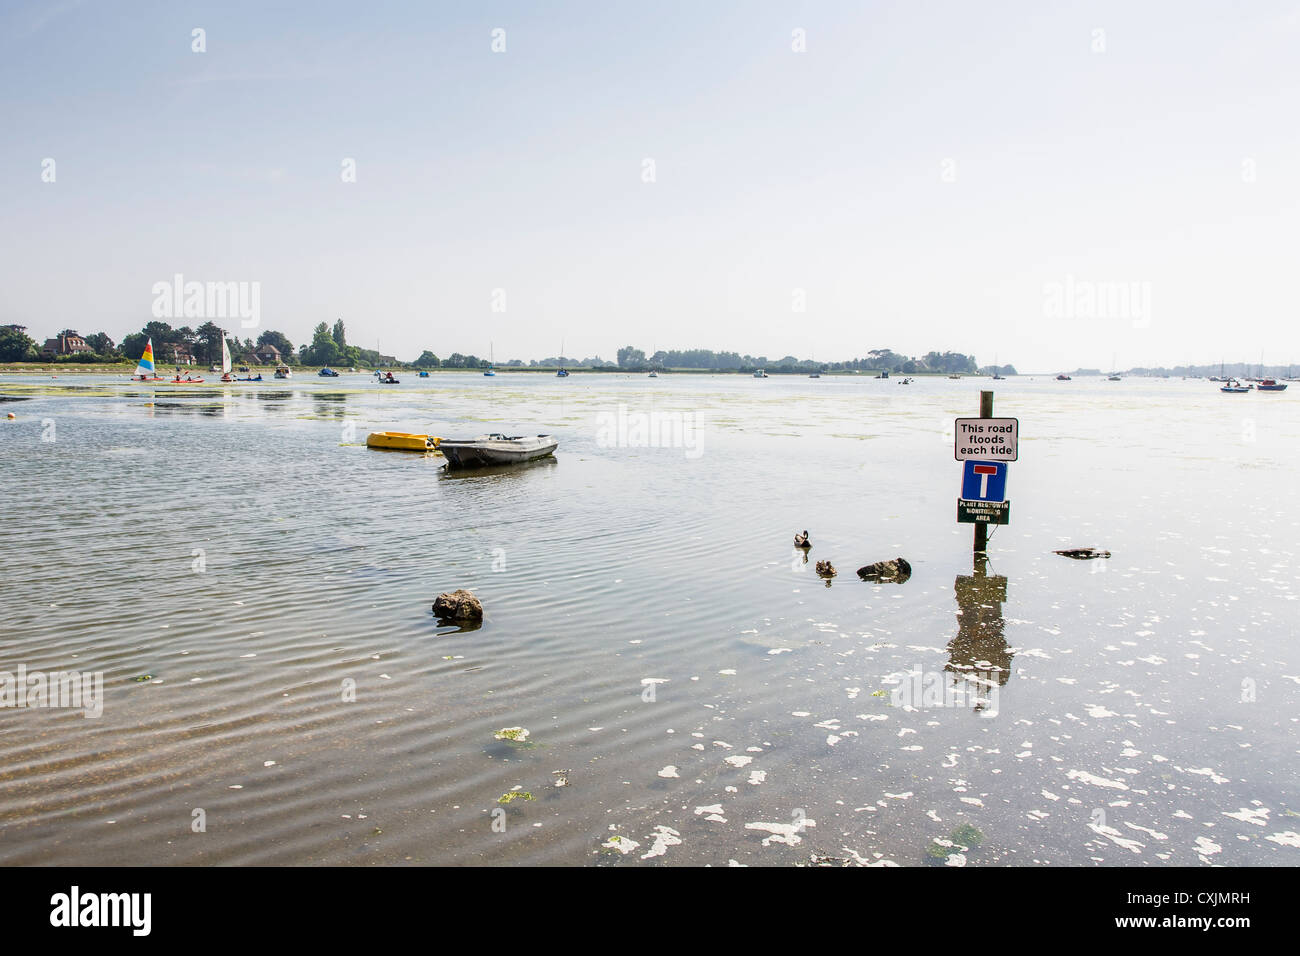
[402,441]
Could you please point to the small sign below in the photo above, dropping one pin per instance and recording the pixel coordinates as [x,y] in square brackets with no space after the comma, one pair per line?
[993,439]
[983,512]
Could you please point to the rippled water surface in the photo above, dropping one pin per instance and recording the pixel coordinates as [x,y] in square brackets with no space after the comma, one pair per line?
[649,623]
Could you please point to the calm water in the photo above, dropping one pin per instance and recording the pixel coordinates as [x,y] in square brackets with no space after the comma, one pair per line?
[649,623]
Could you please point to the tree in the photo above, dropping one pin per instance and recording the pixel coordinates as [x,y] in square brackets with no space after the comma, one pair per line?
[427,360]
[277,340]
[208,341]
[323,349]
[629,357]
[15,346]
[339,335]
[132,346]
[101,343]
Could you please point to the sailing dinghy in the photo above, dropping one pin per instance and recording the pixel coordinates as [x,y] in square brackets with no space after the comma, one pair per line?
[145,372]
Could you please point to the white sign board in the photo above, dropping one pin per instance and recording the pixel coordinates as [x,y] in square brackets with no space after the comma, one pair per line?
[988,439]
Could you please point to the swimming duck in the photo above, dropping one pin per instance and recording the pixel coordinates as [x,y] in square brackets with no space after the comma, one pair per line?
[826,569]
[801,540]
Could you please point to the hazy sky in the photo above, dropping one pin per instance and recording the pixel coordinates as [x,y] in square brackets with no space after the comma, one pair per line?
[1053,183]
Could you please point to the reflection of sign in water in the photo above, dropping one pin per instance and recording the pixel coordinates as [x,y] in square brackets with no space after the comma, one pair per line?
[984,480]
[979,652]
[988,512]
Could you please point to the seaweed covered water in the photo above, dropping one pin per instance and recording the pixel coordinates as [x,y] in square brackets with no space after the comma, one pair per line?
[255,586]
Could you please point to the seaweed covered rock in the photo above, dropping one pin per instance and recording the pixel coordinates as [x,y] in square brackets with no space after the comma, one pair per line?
[896,571]
[459,605]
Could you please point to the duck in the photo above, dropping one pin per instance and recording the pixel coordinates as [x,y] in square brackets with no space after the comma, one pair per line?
[826,569]
[801,540]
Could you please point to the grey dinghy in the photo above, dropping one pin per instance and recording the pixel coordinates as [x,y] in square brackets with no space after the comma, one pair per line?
[496,449]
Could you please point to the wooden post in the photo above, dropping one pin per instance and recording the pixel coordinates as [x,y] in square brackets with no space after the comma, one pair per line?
[981,527]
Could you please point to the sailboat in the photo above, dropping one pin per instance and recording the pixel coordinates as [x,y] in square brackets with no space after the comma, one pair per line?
[1114,375]
[490,370]
[562,372]
[145,372]
[226,375]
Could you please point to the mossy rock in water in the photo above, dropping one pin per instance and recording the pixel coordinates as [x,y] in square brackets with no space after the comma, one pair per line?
[962,839]
[939,849]
[513,795]
[967,835]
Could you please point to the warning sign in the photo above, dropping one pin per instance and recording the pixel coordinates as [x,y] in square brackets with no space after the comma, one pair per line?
[992,439]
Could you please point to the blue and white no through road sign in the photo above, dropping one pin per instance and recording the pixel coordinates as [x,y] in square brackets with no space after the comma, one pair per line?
[984,480]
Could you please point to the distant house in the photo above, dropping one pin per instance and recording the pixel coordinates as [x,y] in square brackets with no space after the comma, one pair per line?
[65,345]
[268,355]
[181,355]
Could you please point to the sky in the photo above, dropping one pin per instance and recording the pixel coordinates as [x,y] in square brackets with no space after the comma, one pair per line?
[1054,185]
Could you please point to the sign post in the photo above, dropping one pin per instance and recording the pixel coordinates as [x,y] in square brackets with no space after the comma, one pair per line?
[985,445]
[981,528]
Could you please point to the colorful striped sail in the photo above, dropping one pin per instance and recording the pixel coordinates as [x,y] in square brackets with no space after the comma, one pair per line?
[145,368]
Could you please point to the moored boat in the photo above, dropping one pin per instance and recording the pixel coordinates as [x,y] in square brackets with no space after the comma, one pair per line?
[1271,385]
[328,372]
[496,449]
[402,441]
[283,371]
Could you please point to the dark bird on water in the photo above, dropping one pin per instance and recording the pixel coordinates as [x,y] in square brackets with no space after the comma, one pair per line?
[801,540]
[826,569]
[1083,554]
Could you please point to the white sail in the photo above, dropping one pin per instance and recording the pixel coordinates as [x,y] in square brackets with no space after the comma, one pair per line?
[225,354]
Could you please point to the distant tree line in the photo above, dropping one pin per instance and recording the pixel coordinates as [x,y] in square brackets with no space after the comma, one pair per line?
[329,346]
[634,359]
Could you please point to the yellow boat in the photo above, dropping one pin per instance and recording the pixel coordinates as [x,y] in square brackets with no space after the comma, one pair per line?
[402,441]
